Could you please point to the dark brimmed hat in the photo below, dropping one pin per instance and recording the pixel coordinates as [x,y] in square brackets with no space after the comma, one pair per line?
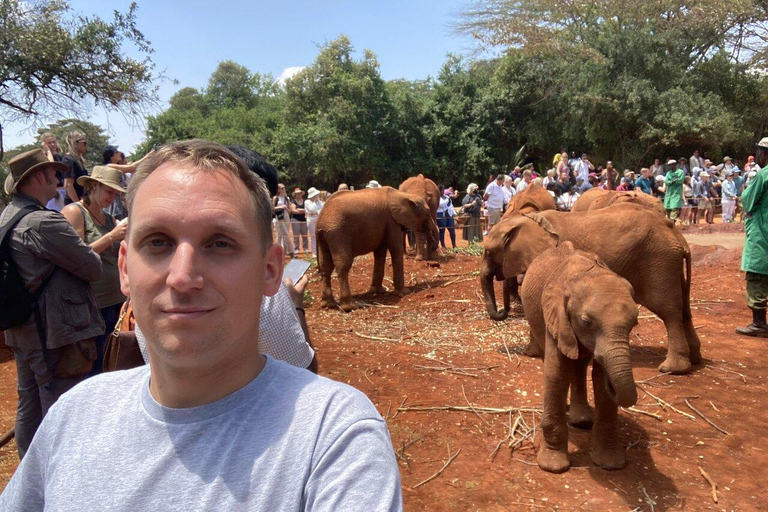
[25,164]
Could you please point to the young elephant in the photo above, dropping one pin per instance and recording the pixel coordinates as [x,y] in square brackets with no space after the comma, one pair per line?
[426,189]
[578,309]
[372,220]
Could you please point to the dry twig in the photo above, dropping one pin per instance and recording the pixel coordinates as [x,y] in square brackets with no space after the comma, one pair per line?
[664,404]
[440,472]
[704,417]
[473,409]
[461,408]
[711,483]
[375,338]
[640,411]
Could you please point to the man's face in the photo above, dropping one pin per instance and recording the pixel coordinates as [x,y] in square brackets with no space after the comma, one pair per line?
[761,156]
[500,181]
[646,174]
[196,276]
[52,145]
[51,181]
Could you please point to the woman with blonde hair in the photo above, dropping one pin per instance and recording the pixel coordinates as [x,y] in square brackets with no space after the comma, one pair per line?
[103,233]
[77,146]
[473,205]
[281,206]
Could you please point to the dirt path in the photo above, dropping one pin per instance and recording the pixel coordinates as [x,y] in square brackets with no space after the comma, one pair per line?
[436,348]
[727,240]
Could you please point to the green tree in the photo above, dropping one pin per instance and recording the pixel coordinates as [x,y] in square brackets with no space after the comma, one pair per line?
[337,112]
[51,60]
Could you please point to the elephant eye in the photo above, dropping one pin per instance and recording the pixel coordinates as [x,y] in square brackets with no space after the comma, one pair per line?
[586,322]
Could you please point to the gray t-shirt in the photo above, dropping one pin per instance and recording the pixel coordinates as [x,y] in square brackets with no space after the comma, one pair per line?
[287,441]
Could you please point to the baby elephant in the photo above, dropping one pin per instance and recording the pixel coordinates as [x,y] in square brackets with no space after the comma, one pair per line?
[578,309]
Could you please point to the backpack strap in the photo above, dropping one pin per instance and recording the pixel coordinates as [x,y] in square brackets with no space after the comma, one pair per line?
[4,230]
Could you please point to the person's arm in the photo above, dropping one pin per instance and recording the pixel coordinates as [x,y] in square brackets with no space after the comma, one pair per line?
[296,291]
[69,186]
[131,167]
[74,215]
[295,210]
[56,241]
[753,194]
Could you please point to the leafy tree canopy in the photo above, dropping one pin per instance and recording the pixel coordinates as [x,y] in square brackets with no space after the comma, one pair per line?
[51,60]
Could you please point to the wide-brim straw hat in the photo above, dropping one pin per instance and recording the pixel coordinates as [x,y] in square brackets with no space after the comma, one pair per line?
[312,192]
[25,164]
[104,175]
[373,184]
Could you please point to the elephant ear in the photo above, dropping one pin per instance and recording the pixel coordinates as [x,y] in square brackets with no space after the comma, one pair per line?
[405,208]
[524,240]
[554,303]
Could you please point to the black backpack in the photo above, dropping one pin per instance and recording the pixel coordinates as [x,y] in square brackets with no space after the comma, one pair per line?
[16,301]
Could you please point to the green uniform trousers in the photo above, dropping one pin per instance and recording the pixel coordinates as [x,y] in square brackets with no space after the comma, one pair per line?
[757,290]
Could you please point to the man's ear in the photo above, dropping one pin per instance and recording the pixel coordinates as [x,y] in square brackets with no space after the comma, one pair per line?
[122,265]
[273,269]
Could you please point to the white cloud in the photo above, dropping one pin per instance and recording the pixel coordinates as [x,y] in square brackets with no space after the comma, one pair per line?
[288,73]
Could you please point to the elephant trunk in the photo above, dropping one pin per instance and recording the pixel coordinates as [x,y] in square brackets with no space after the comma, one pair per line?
[486,281]
[617,366]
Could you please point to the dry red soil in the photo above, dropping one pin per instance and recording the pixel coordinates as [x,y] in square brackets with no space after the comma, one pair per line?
[436,349]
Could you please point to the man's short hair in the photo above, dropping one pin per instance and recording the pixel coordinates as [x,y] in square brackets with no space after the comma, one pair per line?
[204,156]
[500,177]
[109,152]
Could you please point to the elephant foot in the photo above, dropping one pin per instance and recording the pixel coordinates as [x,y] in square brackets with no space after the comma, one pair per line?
[608,458]
[328,304]
[517,310]
[581,416]
[349,306]
[375,290]
[532,350]
[401,292]
[675,364]
[553,461]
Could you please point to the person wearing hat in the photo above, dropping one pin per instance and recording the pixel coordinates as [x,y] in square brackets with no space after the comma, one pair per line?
[57,265]
[103,233]
[312,207]
[299,221]
[754,258]
[673,194]
[705,195]
[373,184]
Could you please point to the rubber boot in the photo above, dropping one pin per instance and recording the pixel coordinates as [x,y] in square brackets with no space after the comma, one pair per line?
[758,328]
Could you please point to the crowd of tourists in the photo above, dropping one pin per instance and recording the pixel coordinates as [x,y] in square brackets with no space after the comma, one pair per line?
[220,411]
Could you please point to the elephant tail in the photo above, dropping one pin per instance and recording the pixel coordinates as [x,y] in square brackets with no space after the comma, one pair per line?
[686,276]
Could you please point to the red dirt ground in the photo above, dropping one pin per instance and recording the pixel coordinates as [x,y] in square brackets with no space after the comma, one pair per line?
[384,348]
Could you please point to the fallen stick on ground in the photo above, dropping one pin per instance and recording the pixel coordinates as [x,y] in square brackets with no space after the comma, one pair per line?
[401,406]
[461,408]
[444,301]
[711,483]
[377,305]
[704,417]
[375,338]
[712,301]
[632,409]
[440,472]
[665,404]
[6,437]
[473,409]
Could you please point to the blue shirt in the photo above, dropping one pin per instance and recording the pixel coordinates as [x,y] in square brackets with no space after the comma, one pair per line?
[643,184]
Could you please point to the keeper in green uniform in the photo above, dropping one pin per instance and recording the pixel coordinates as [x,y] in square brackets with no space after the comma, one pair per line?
[673,196]
[754,259]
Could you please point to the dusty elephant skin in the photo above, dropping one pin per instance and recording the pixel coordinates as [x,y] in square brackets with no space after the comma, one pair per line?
[597,198]
[533,198]
[354,223]
[577,308]
[633,241]
[427,190]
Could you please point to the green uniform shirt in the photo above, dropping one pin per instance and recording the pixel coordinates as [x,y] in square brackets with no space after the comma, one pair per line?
[673,197]
[754,200]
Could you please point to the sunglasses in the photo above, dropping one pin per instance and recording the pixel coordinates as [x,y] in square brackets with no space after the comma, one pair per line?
[83,141]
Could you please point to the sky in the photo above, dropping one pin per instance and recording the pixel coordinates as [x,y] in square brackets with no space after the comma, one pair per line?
[190,38]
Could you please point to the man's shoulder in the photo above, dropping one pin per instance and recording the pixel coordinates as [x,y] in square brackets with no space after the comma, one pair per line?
[103,390]
[318,392]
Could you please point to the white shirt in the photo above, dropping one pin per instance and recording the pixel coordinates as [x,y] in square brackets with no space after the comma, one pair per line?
[522,186]
[495,193]
[508,193]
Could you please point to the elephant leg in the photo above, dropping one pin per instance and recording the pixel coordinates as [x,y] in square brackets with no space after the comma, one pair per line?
[345,295]
[421,247]
[553,452]
[512,302]
[580,414]
[326,269]
[398,276]
[694,345]
[379,260]
[606,451]
[678,359]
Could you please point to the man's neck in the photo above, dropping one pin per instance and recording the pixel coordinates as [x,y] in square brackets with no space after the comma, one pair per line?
[184,388]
